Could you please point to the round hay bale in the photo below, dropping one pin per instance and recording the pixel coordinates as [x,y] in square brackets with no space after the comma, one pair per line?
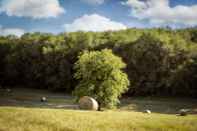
[43,99]
[88,103]
[183,112]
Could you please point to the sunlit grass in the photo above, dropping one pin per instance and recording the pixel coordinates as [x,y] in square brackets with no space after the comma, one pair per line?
[35,119]
[129,116]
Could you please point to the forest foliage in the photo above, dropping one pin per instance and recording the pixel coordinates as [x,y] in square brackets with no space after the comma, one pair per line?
[160,61]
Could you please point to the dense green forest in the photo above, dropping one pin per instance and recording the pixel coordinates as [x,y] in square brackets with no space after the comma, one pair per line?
[159,61]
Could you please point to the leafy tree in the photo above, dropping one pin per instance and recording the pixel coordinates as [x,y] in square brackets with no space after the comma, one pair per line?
[147,65]
[151,64]
[100,76]
[193,34]
[186,78]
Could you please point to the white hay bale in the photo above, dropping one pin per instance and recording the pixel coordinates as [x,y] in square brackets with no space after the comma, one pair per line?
[183,112]
[43,99]
[88,103]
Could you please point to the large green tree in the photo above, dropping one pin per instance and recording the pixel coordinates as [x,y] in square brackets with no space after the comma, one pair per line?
[100,76]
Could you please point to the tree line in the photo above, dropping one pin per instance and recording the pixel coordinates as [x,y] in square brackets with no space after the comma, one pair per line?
[159,61]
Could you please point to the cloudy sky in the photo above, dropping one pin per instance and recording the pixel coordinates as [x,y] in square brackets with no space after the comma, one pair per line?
[55,16]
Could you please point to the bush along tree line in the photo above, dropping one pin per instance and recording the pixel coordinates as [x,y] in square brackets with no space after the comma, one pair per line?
[158,61]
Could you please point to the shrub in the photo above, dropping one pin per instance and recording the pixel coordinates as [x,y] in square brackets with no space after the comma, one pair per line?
[100,76]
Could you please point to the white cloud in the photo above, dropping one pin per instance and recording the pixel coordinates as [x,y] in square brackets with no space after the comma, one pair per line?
[11,31]
[31,8]
[159,11]
[94,2]
[93,22]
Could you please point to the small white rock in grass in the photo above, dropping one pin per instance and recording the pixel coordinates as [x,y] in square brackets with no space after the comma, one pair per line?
[88,103]
[148,111]
[43,99]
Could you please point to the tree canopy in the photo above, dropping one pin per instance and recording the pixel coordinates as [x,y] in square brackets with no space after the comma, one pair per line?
[100,76]
[158,60]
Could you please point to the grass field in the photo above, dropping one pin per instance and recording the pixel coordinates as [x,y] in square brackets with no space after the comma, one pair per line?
[21,110]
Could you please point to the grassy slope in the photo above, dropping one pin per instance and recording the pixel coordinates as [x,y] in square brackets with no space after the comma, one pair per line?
[35,119]
[39,116]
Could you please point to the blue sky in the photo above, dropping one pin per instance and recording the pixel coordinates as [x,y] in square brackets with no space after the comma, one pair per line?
[55,16]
